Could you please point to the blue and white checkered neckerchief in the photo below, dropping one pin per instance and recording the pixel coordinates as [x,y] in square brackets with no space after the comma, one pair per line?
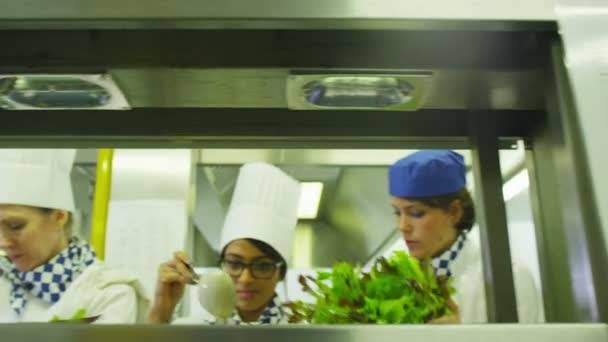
[273,314]
[50,280]
[441,264]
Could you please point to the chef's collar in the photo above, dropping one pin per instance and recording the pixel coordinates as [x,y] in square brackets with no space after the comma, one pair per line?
[441,263]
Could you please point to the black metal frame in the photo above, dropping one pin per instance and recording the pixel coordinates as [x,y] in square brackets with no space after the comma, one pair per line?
[492,219]
[254,128]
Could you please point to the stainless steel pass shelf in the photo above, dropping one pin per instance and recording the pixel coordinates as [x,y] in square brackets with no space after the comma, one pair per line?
[300,333]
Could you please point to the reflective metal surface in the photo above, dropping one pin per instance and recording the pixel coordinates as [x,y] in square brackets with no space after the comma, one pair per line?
[170,69]
[299,333]
[572,254]
[266,14]
[584,27]
[267,88]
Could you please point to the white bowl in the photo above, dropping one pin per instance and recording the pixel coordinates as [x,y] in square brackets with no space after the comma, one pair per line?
[217,295]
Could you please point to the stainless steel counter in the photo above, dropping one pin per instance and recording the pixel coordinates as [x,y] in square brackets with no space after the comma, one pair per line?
[297,333]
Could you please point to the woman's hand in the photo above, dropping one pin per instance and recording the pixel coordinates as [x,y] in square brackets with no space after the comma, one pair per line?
[173,276]
[452,318]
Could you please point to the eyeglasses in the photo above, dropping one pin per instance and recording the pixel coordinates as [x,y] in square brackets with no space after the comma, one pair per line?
[259,270]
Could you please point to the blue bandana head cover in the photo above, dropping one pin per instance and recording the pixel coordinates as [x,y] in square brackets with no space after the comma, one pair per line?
[427,173]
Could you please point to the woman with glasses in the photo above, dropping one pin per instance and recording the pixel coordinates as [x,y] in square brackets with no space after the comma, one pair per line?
[256,243]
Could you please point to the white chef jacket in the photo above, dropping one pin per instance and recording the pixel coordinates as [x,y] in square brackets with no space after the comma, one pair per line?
[100,290]
[470,291]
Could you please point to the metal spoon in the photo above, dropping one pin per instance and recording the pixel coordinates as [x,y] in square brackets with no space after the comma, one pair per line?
[194,277]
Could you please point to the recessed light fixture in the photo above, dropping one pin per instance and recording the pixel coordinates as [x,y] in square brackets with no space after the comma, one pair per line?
[50,91]
[310,197]
[357,90]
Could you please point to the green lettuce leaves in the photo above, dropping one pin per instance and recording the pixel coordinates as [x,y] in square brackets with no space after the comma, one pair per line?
[397,290]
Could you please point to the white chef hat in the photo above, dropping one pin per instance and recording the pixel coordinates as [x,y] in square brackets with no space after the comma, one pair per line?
[264,207]
[37,178]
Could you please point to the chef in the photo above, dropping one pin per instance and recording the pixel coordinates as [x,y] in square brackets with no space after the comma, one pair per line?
[435,215]
[256,246]
[47,273]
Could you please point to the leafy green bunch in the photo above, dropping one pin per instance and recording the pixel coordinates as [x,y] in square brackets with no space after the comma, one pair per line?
[79,316]
[397,290]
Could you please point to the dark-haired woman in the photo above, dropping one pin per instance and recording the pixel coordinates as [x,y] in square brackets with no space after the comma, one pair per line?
[435,215]
[257,241]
